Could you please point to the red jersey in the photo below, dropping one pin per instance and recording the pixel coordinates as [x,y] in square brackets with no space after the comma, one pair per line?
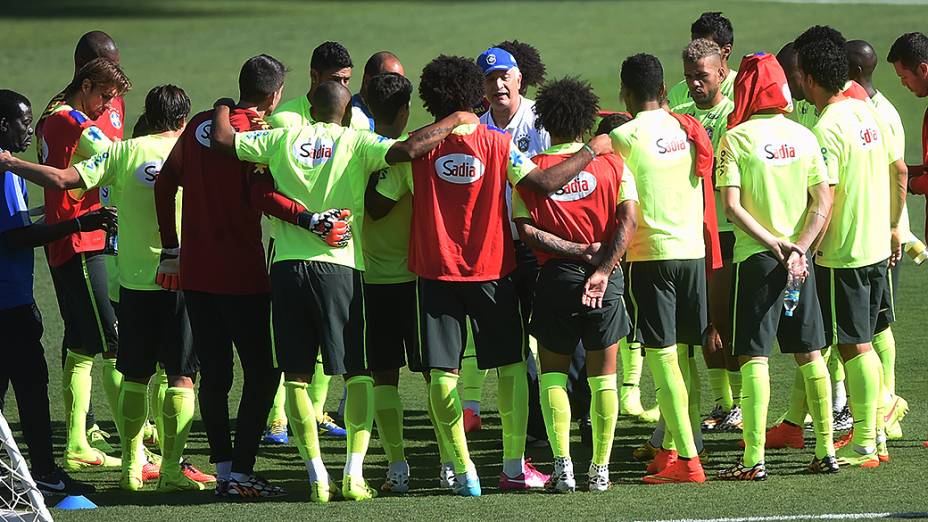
[221,228]
[583,211]
[919,184]
[460,220]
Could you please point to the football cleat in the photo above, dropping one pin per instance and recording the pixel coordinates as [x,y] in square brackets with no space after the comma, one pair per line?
[191,472]
[562,480]
[93,459]
[465,487]
[785,435]
[328,428]
[844,440]
[356,488]
[535,442]
[732,421]
[925,444]
[645,453]
[682,470]
[150,472]
[472,421]
[530,478]
[252,488]
[59,483]
[397,481]
[843,419]
[650,416]
[711,421]
[882,452]
[850,455]
[739,471]
[321,492]
[598,478]
[150,435]
[276,433]
[99,439]
[446,476]
[828,464]
[171,483]
[130,481]
[662,461]
[895,412]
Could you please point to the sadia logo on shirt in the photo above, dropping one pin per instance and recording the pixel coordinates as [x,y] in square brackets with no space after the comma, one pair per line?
[777,153]
[148,172]
[578,188]
[203,132]
[314,152]
[459,168]
[868,137]
[672,146]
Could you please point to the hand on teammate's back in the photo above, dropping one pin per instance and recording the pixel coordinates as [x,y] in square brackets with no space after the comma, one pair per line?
[601,144]
[332,226]
[102,219]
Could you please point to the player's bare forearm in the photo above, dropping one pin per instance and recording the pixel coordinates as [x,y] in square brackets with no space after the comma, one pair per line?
[744,220]
[539,239]
[899,185]
[818,240]
[820,201]
[426,139]
[222,134]
[43,175]
[628,223]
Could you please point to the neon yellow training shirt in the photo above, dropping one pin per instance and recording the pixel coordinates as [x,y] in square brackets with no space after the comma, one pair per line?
[320,166]
[386,240]
[774,161]
[670,196]
[131,168]
[894,127]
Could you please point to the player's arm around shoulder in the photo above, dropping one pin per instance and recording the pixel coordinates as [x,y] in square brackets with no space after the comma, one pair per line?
[45,175]
[385,187]
[424,140]
[527,175]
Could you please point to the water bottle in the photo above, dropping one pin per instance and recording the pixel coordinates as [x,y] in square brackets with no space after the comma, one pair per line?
[791,294]
[916,250]
[111,247]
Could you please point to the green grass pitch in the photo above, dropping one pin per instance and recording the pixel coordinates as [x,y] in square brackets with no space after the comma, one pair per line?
[200,47]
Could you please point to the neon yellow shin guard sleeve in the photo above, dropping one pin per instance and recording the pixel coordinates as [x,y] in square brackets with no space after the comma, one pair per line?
[555,407]
[446,407]
[133,412]
[157,391]
[112,381]
[755,397]
[721,390]
[884,344]
[513,408]
[388,414]
[302,419]
[177,412]
[863,380]
[277,412]
[472,377]
[796,413]
[734,380]
[445,453]
[359,414]
[76,382]
[672,397]
[604,412]
[818,394]
[319,389]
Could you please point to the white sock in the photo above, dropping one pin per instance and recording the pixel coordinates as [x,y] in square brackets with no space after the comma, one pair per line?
[316,470]
[513,467]
[353,465]
[399,468]
[839,395]
[470,474]
[224,470]
[472,405]
[239,477]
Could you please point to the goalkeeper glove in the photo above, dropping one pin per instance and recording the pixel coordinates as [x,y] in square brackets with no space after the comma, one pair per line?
[169,269]
[331,226]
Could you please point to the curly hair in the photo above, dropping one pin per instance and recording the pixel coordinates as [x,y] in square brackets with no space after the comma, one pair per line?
[643,75]
[700,48]
[822,54]
[910,49]
[329,56]
[449,84]
[529,60]
[612,122]
[386,94]
[566,107]
[715,27]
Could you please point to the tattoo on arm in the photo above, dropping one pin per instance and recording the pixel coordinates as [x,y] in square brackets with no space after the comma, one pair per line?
[537,238]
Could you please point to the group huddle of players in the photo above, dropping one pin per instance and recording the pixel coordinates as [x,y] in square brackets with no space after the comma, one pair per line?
[736,210]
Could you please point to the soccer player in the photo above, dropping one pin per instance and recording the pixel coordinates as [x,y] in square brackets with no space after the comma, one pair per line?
[458,189]
[20,319]
[773,183]
[666,258]
[909,56]
[712,26]
[804,112]
[223,276]
[381,62]
[316,289]
[598,206]
[67,135]
[702,67]
[153,323]
[862,61]
[862,233]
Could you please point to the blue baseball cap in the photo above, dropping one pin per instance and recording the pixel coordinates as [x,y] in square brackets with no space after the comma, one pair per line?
[495,59]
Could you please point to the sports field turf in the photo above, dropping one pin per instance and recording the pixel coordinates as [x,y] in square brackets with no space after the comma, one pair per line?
[200,47]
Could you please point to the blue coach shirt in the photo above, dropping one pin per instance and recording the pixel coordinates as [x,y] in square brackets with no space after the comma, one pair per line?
[16,265]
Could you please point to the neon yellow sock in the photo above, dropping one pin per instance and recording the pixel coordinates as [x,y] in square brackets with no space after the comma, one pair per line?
[112,380]
[178,410]
[359,414]
[445,452]
[632,362]
[755,397]
[76,382]
[818,392]
[471,377]
[734,381]
[302,419]
[604,412]
[863,380]
[446,407]
[796,413]
[157,391]
[721,390]
[884,344]
[555,406]
[693,391]
[133,412]
[319,389]
[388,413]
[278,412]
[512,400]
[835,364]
[672,397]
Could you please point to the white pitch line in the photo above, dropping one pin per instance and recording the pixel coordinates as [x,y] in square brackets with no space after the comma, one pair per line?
[777,518]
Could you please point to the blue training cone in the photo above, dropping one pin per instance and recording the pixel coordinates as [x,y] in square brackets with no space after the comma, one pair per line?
[76,502]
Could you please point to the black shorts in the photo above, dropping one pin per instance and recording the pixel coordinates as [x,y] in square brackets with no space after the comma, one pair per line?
[727,245]
[317,306]
[83,298]
[759,283]
[668,301]
[851,301]
[888,308]
[22,341]
[560,320]
[493,307]
[154,329]
[392,333]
